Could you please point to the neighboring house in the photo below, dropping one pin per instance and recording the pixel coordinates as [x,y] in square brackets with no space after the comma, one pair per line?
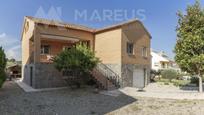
[13,68]
[124,50]
[161,61]
[14,71]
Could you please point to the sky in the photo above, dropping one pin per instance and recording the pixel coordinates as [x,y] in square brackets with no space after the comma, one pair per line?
[158,16]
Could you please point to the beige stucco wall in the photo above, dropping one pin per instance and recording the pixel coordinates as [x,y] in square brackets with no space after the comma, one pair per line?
[136,34]
[25,41]
[108,46]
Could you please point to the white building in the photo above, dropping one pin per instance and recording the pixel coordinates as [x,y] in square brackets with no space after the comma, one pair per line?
[161,61]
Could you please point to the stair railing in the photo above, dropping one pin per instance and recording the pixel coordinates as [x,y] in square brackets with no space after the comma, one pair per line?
[109,74]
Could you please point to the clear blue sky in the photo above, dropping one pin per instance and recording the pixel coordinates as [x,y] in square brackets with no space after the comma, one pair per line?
[160,18]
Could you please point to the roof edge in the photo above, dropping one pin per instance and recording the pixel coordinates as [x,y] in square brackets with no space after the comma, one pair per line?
[85,28]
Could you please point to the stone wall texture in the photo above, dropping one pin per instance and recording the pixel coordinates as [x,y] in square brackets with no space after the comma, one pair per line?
[127,74]
[125,71]
[44,76]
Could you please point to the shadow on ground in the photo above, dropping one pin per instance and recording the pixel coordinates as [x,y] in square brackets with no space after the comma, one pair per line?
[14,100]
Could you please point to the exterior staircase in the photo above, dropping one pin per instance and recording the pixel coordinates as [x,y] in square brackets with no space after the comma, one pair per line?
[105,77]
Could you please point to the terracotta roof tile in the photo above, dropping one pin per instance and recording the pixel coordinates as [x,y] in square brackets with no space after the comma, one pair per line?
[60,24]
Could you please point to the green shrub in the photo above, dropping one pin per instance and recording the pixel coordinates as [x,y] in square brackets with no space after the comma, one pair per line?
[2,78]
[169,74]
[162,80]
[78,60]
[166,83]
[194,80]
[179,82]
[2,66]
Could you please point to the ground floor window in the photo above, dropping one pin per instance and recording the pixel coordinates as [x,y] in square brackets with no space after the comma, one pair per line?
[45,49]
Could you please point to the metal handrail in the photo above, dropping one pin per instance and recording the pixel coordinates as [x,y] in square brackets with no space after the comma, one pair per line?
[109,74]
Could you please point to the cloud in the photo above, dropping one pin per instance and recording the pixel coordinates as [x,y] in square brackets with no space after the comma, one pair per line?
[11,46]
[2,35]
[14,52]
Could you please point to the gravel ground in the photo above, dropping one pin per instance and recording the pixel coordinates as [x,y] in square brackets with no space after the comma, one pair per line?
[153,106]
[156,90]
[14,101]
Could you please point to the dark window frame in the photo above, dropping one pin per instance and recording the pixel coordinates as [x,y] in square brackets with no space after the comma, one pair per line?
[45,51]
[144,52]
[130,48]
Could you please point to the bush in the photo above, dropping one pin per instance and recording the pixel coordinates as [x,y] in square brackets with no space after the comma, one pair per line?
[169,74]
[2,78]
[194,80]
[78,61]
[166,83]
[179,82]
[2,66]
[162,80]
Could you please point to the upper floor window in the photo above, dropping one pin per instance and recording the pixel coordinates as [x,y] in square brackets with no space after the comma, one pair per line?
[144,51]
[45,49]
[130,48]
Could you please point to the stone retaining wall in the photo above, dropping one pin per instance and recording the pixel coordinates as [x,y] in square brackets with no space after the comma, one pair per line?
[44,76]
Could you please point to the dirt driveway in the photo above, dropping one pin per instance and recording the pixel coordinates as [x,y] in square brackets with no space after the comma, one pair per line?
[14,101]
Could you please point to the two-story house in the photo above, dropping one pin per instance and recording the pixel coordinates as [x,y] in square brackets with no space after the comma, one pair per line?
[124,50]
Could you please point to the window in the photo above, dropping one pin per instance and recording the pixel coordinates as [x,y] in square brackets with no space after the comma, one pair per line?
[66,47]
[144,51]
[45,49]
[130,48]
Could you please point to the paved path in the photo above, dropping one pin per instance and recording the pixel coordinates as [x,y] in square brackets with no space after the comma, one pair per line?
[156,90]
[28,88]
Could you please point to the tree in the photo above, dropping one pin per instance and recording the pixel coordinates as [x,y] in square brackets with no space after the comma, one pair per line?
[189,48]
[78,59]
[2,59]
[2,66]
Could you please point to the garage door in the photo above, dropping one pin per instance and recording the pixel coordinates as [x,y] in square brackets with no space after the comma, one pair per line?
[138,78]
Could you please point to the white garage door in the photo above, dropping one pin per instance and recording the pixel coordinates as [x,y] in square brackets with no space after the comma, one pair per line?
[139,78]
